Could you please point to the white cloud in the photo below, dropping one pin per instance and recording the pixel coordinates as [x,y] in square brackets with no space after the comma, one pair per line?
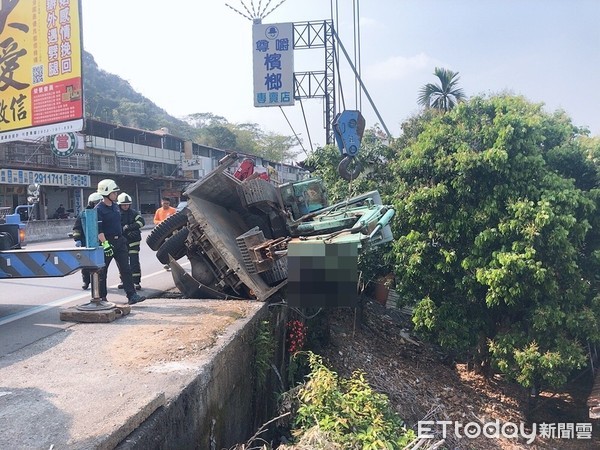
[367,22]
[399,67]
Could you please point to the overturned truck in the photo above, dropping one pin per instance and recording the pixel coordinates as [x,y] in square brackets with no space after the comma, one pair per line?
[249,239]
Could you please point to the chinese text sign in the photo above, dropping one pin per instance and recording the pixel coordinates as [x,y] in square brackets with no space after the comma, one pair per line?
[40,68]
[273,64]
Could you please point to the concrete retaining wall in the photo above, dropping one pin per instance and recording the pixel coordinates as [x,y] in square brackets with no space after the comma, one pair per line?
[48,230]
[223,406]
[55,229]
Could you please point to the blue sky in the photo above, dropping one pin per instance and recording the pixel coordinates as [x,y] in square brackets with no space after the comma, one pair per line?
[196,56]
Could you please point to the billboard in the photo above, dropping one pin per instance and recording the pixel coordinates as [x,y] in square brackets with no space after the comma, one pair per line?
[273,61]
[40,68]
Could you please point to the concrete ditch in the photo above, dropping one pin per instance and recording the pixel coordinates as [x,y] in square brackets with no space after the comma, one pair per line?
[175,373]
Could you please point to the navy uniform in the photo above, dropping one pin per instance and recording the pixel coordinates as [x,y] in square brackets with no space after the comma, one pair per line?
[113,242]
[132,222]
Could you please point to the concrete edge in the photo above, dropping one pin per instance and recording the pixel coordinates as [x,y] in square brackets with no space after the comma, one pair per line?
[132,423]
[216,408]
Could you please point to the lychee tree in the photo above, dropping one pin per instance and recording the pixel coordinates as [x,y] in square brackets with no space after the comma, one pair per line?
[495,245]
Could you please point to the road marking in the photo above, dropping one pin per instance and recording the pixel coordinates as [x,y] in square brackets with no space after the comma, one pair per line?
[38,309]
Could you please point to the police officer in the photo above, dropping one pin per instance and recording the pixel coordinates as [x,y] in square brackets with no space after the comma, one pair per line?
[79,236]
[132,221]
[112,240]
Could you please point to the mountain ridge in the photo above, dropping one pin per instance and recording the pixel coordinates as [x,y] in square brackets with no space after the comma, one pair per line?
[109,98]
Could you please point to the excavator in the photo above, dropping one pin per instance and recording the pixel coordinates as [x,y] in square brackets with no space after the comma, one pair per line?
[247,238]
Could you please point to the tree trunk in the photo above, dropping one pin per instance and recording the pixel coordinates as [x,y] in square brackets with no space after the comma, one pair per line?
[482,363]
[532,400]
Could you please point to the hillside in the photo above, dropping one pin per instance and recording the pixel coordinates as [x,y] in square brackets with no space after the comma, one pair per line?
[111,99]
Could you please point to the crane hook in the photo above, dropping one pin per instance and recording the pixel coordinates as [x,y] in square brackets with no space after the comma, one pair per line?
[343,168]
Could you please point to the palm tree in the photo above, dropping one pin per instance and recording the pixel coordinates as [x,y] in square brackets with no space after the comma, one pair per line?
[444,96]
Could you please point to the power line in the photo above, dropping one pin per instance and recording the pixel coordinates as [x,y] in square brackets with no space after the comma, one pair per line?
[293,131]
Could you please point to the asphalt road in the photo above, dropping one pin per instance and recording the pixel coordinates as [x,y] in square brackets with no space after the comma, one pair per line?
[30,307]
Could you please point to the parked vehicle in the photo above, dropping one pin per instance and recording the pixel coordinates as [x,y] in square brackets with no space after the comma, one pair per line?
[12,230]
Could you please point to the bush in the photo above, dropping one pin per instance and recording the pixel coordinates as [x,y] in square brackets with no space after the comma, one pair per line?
[348,411]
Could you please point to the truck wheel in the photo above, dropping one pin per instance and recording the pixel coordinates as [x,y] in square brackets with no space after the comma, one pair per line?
[165,229]
[174,246]
[201,271]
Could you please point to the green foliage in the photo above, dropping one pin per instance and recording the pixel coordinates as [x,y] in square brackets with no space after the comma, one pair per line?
[445,95]
[246,138]
[375,262]
[348,410]
[374,155]
[297,368]
[204,120]
[497,231]
[496,235]
[276,147]
[218,136]
[264,348]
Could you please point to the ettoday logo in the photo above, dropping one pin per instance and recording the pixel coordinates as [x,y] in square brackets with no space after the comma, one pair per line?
[428,429]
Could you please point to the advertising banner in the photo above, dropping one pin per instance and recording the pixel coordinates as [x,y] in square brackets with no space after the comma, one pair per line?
[59,179]
[40,68]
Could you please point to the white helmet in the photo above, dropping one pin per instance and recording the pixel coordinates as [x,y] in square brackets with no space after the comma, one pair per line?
[106,187]
[94,198]
[124,199]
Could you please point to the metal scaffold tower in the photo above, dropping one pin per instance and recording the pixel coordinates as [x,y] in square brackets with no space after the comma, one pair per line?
[317,84]
[324,84]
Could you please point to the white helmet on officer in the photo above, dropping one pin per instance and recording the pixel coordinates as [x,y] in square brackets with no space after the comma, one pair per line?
[106,187]
[124,199]
[94,198]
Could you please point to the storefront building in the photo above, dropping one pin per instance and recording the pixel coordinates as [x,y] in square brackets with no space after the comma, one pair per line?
[148,165]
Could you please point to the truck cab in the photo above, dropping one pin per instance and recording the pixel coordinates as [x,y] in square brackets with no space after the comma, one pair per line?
[12,230]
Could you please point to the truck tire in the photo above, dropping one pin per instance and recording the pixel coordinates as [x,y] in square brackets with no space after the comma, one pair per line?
[165,229]
[201,270]
[277,273]
[173,246]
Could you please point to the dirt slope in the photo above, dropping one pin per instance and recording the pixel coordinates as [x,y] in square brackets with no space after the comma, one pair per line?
[421,385]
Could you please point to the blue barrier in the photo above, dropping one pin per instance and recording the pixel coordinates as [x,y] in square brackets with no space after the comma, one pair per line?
[58,262]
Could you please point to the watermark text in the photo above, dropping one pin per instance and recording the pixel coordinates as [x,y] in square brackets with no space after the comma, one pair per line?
[429,429]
